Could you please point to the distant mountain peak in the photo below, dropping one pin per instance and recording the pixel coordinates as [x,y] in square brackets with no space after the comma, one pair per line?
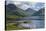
[40,12]
[11,6]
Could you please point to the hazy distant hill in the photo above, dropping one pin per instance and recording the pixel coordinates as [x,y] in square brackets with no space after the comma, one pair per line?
[40,12]
[30,11]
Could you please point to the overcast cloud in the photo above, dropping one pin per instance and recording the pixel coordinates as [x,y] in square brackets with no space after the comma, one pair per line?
[35,6]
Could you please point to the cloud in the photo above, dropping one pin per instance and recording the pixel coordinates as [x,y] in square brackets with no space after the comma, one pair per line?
[37,6]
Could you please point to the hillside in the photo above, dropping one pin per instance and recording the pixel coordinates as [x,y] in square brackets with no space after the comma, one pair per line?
[11,9]
[39,13]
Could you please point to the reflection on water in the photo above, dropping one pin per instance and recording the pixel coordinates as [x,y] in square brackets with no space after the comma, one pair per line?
[34,23]
[38,23]
[30,22]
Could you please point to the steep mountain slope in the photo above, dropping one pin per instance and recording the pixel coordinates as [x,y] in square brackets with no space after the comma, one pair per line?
[11,9]
[30,11]
[40,12]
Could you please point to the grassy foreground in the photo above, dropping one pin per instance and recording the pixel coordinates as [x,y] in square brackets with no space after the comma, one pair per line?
[13,26]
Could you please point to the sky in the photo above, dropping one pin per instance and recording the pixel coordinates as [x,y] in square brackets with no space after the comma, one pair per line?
[34,5]
[37,6]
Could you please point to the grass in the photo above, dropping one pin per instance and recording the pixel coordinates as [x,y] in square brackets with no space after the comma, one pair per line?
[12,26]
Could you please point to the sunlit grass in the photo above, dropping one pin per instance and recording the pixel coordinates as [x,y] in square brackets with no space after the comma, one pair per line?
[13,26]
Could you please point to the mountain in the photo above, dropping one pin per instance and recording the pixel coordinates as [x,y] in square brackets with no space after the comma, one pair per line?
[40,12]
[11,9]
[11,6]
[30,11]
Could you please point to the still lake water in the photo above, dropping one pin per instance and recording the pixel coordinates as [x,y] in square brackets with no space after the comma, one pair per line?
[38,23]
[34,23]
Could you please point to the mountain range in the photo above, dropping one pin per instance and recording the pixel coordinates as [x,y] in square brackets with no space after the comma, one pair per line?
[11,9]
[41,12]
